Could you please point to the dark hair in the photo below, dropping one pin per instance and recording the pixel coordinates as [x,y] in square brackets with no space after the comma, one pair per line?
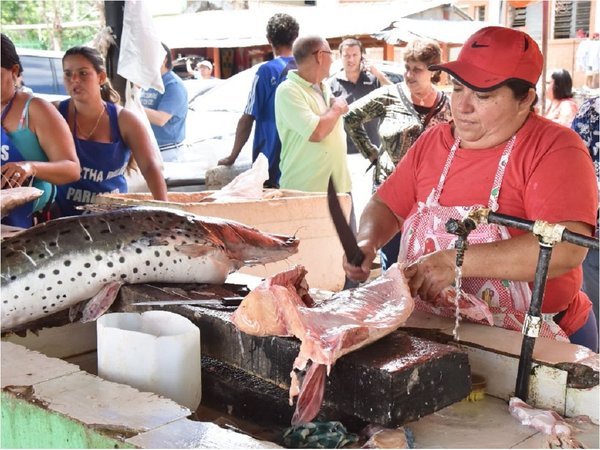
[351,42]
[282,30]
[563,84]
[169,57]
[425,51]
[9,55]
[520,90]
[95,58]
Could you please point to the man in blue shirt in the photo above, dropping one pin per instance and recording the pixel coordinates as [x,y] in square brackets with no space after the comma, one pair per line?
[282,31]
[167,112]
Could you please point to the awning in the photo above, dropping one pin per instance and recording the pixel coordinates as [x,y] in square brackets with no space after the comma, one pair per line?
[247,27]
[447,31]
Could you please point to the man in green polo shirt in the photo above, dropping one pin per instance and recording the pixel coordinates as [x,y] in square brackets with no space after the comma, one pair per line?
[308,118]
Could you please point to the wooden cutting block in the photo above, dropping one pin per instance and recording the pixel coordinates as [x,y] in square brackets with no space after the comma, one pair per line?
[394,380]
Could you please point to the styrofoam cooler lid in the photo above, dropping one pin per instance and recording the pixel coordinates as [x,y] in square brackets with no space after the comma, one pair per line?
[154,351]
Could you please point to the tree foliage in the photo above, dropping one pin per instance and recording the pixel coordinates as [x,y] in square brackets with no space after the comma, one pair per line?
[53,14]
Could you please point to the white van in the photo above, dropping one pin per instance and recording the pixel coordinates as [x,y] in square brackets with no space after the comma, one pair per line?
[42,73]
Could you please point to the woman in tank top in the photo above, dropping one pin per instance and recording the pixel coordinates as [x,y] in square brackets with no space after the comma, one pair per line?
[107,137]
[37,148]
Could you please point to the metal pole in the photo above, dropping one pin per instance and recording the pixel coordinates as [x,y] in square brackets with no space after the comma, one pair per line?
[483,215]
[545,24]
[113,12]
[533,322]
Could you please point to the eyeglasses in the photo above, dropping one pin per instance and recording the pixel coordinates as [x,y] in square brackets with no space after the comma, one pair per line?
[329,52]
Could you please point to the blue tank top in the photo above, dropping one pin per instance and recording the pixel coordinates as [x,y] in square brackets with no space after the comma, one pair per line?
[102,166]
[23,145]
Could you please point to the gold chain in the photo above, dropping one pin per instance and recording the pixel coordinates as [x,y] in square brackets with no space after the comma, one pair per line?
[95,126]
[422,99]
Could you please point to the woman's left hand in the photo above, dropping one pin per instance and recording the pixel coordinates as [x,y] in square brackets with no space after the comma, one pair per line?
[431,273]
[16,174]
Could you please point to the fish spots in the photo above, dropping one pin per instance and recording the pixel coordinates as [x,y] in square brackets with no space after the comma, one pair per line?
[56,271]
[67,262]
[42,276]
[156,253]
[122,259]
[93,274]
[13,277]
[138,250]
[98,258]
[110,264]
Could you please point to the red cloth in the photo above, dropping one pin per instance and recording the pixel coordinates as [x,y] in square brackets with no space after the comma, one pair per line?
[549,176]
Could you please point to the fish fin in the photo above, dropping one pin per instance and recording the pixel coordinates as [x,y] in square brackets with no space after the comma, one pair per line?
[75,310]
[100,302]
[195,250]
[156,242]
[311,394]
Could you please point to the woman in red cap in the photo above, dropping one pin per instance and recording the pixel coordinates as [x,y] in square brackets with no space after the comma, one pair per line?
[497,153]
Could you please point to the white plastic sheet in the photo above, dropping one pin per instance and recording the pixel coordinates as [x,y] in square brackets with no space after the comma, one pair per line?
[141,53]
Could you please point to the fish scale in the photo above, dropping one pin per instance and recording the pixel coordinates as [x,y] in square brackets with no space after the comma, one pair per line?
[60,263]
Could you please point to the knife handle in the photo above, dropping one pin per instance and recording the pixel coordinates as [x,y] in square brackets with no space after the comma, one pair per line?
[357,259]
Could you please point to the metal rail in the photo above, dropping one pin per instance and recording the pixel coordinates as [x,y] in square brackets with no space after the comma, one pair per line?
[548,235]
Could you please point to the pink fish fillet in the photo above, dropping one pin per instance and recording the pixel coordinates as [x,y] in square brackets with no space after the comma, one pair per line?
[468,305]
[547,422]
[349,320]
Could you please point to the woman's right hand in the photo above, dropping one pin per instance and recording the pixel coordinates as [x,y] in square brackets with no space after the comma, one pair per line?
[15,174]
[362,272]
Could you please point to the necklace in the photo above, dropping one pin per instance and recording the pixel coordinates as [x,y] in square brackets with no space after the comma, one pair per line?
[95,126]
[422,99]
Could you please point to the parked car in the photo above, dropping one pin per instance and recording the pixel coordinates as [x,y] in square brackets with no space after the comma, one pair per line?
[42,73]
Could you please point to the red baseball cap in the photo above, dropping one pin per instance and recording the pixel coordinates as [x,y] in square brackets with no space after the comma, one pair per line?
[493,56]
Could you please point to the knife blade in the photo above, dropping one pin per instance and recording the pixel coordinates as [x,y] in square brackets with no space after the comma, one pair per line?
[354,255]
[225,301]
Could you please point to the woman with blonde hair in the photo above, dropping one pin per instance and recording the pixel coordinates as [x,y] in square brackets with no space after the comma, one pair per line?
[37,148]
[106,136]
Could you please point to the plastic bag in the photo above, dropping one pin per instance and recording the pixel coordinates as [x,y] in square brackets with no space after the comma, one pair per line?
[247,185]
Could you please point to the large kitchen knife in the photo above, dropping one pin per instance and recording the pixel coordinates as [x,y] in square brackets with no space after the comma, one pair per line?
[354,255]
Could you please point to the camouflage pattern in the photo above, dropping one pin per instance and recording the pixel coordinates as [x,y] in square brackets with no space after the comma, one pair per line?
[400,126]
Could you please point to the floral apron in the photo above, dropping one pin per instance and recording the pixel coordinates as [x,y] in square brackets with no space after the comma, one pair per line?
[425,232]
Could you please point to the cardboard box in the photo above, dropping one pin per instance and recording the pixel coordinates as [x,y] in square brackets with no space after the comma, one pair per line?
[301,214]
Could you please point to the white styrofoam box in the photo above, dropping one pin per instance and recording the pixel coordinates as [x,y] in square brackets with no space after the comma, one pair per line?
[153,351]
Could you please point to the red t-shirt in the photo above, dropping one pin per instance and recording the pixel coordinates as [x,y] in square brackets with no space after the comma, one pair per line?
[549,177]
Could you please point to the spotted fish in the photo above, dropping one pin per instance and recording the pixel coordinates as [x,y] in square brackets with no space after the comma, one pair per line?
[60,263]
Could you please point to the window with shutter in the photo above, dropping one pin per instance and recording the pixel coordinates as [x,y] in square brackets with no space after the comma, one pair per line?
[519,17]
[563,13]
[582,16]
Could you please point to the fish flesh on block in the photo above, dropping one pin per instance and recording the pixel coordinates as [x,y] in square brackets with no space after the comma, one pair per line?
[58,264]
[281,305]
